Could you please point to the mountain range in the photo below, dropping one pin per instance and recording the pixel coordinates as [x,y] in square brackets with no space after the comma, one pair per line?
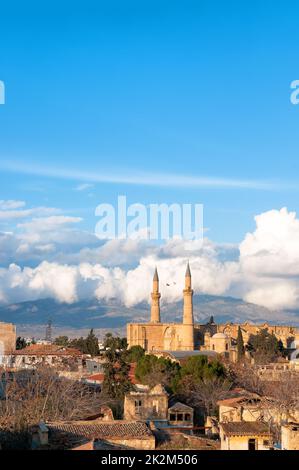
[78,318]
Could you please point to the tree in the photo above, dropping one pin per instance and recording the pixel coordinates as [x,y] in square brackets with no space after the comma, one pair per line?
[151,370]
[240,344]
[199,367]
[135,353]
[116,369]
[92,344]
[88,345]
[246,376]
[264,346]
[206,393]
[78,343]
[202,383]
[283,395]
[32,396]
[21,343]
[62,341]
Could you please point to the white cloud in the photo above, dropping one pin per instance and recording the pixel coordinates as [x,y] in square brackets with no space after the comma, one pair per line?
[134,177]
[84,186]
[47,224]
[269,260]
[70,264]
[11,204]
[23,213]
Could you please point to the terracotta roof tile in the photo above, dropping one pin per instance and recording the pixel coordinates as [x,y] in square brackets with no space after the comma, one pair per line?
[47,350]
[101,430]
[244,428]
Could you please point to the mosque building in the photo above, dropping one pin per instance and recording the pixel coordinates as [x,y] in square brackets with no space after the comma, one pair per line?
[157,335]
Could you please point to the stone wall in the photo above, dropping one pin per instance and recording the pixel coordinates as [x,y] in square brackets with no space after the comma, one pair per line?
[160,336]
[176,336]
[148,443]
[7,338]
[290,437]
[286,334]
[241,442]
[151,405]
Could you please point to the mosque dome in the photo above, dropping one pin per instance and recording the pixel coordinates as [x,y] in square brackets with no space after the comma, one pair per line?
[220,336]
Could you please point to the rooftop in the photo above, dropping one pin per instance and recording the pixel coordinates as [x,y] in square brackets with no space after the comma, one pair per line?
[178,406]
[47,350]
[100,430]
[245,428]
[185,354]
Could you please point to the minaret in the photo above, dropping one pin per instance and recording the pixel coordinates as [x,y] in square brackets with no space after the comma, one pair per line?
[188,320]
[188,302]
[155,307]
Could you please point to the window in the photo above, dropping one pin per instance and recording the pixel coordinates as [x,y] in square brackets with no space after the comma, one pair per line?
[180,417]
[172,417]
[138,405]
[265,443]
[226,346]
[187,417]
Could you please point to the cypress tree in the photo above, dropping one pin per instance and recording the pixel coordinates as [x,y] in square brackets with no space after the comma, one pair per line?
[240,344]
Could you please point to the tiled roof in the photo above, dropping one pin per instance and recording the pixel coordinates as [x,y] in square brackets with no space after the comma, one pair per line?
[99,377]
[96,377]
[244,428]
[232,401]
[47,350]
[101,430]
[237,396]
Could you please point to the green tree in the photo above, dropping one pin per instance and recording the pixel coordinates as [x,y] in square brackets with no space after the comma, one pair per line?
[240,344]
[88,345]
[92,344]
[199,367]
[135,353]
[264,346]
[78,343]
[203,382]
[116,370]
[151,370]
[21,343]
[62,341]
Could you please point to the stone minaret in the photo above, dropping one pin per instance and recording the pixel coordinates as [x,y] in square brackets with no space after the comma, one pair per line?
[155,307]
[188,320]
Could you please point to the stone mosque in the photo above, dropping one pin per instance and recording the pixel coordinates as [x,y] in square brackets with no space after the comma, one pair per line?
[188,336]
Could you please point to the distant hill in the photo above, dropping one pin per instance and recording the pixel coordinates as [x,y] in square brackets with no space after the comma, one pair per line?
[77,318]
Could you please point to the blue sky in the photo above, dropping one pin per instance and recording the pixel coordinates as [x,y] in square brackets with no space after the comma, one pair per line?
[140,90]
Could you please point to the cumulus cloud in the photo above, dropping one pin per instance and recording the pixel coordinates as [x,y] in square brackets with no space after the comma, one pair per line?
[269,260]
[11,209]
[11,204]
[71,264]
